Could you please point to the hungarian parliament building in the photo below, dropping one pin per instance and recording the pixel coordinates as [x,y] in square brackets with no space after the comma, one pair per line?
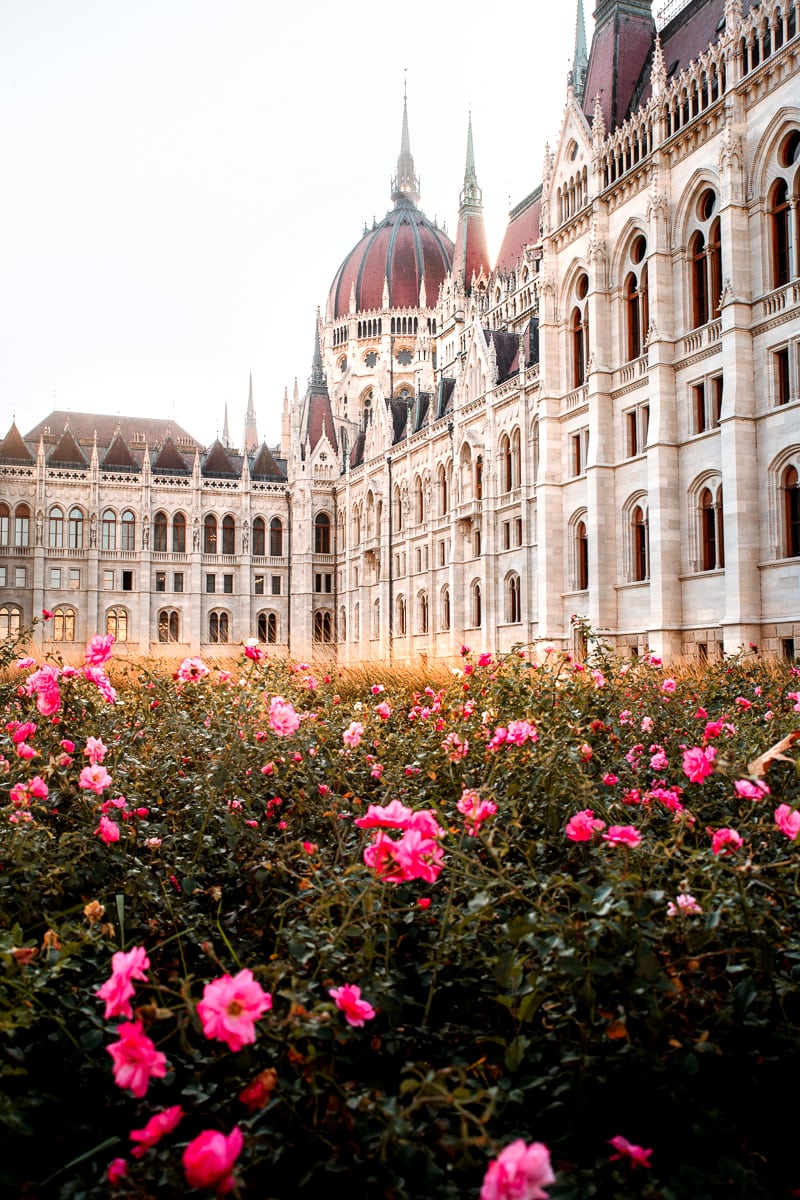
[604,423]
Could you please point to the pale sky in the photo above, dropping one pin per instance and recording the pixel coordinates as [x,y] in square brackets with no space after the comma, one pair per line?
[182,179]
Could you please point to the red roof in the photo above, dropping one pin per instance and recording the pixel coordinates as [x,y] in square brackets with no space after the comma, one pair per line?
[620,49]
[522,230]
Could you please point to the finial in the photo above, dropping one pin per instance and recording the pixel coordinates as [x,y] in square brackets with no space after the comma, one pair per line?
[658,72]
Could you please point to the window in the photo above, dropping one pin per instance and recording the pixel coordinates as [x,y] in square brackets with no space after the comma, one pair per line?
[177,581]
[506,531]
[127,539]
[442,489]
[276,537]
[579,331]
[788,649]
[517,531]
[636,300]
[578,452]
[323,624]
[783,215]
[711,528]
[75,529]
[637,425]
[323,581]
[227,585]
[781,375]
[322,534]
[5,519]
[419,501]
[218,628]
[706,404]
[400,616]
[790,488]
[179,534]
[705,262]
[20,577]
[55,578]
[376,619]
[108,531]
[275,585]
[127,581]
[259,538]
[74,579]
[55,537]
[64,624]
[117,624]
[228,535]
[422,612]
[168,625]
[211,584]
[442,552]
[479,477]
[10,622]
[476,613]
[160,533]
[258,586]
[445,606]
[108,581]
[210,534]
[639,544]
[513,610]
[161,581]
[342,631]
[22,525]
[581,556]
[267,625]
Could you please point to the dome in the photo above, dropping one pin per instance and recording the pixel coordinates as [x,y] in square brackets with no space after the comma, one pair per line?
[401,252]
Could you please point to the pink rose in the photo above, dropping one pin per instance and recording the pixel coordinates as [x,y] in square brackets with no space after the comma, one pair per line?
[518,1173]
[788,821]
[623,835]
[751,789]
[230,1007]
[118,989]
[108,830]
[99,649]
[637,1156]
[208,1160]
[156,1128]
[685,905]
[353,734]
[284,720]
[348,1000]
[94,778]
[191,670]
[582,827]
[698,764]
[136,1060]
[725,841]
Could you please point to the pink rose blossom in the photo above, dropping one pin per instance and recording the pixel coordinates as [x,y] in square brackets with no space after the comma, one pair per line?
[136,1060]
[284,720]
[454,748]
[394,815]
[668,685]
[474,810]
[208,1159]
[230,1007]
[788,821]
[94,778]
[685,905]
[117,991]
[582,827]
[637,1156]
[623,835]
[94,750]
[520,732]
[191,670]
[98,677]
[796,697]
[698,764]
[353,734]
[252,650]
[383,710]
[348,1000]
[156,1128]
[44,683]
[116,1171]
[751,789]
[518,1173]
[108,830]
[725,841]
[99,649]
[610,780]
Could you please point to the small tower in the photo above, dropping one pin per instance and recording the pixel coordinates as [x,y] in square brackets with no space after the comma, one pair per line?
[405,185]
[471,255]
[580,60]
[250,436]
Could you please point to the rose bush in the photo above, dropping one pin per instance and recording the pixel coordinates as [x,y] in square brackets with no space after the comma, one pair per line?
[378,936]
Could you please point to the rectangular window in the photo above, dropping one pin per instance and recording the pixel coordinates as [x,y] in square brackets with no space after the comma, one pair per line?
[177,581]
[506,535]
[418,558]
[783,388]
[55,577]
[477,543]
[644,424]
[108,581]
[424,558]
[518,531]
[631,434]
[787,649]
[211,583]
[716,399]
[227,585]
[442,558]
[4,576]
[258,585]
[127,581]
[318,581]
[276,585]
[699,423]
[161,581]
[579,452]
[74,579]
[19,577]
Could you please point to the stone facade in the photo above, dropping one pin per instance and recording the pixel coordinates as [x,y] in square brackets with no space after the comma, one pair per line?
[606,423]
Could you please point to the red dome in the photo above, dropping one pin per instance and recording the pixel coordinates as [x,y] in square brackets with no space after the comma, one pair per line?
[401,251]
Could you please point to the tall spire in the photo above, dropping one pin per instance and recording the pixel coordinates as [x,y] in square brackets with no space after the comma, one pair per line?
[226,437]
[405,185]
[250,439]
[317,371]
[580,61]
[471,255]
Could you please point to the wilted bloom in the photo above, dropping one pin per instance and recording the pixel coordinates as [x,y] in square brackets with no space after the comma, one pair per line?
[108,830]
[125,966]
[474,810]
[99,649]
[94,778]
[582,827]
[788,821]
[725,841]
[383,710]
[353,734]
[283,718]
[454,748]
[623,835]
[518,1173]
[156,1128]
[94,911]
[751,789]
[258,1091]
[136,1060]
[208,1160]
[685,904]
[637,1156]
[348,1000]
[191,670]
[698,764]
[230,1007]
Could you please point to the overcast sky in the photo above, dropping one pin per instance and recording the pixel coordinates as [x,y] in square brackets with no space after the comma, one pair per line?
[182,178]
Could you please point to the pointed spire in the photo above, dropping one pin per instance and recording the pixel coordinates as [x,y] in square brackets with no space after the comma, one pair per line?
[405,185]
[250,438]
[317,372]
[658,71]
[580,61]
[471,256]
[226,437]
